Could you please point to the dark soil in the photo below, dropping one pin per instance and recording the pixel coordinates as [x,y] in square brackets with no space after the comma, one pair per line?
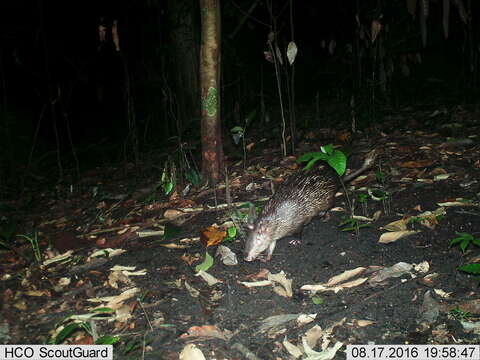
[164,309]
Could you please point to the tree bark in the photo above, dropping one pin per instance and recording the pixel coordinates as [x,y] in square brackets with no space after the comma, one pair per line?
[212,151]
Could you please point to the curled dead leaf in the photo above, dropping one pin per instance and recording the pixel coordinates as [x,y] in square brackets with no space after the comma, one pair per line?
[394,236]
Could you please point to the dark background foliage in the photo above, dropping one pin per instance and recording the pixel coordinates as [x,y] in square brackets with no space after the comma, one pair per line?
[71,102]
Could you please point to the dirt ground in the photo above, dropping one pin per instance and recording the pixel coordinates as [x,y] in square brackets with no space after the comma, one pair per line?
[158,307]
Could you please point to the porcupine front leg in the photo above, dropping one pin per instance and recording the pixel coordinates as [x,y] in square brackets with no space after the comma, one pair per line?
[269,252]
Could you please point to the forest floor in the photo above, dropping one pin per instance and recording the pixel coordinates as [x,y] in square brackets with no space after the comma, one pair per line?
[104,243]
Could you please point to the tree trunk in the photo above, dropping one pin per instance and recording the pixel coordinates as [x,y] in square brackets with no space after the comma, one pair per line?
[212,151]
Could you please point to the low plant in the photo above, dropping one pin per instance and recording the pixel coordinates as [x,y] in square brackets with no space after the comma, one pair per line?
[74,323]
[33,240]
[464,240]
[459,314]
[335,158]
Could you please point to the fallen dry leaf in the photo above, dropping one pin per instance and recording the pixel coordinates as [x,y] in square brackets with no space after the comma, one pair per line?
[394,236]
[313,335]
[172,214]
[191,352]
[394,271]
[281,278]
[206,331]
[292,349]
[209,279]
[416,164]
[212,236]
[255,283]
[190,258]
[348,274]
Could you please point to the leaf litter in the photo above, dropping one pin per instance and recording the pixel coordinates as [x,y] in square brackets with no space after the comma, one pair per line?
[402,289]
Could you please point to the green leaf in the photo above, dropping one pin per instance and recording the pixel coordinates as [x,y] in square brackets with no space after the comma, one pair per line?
[237,129]
[306,157]
[362,198]
[317,300]
[338,161]
[66,332]
[464,245]
[465,235]
[141,298]
[206,264]
[232,231]
[107,340]
[168,187]
[193,176]
[327,149]
[380,176]
[346,221]
[251,115]
[471,268]
[132,345]
[104,310]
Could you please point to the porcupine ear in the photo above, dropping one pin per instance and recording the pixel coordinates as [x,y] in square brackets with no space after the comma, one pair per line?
[252,216]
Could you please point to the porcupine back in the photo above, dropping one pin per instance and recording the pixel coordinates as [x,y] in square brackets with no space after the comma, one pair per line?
[301,197]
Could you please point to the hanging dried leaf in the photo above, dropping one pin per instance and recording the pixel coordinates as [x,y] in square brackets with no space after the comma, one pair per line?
[291,52]
[115,37]
[376,27]
[424,7]
[461,10]
[268,56]
[331,46]
[411,7]
[271,37]
[446,17]
[278,54]
[102,30]
[423,21]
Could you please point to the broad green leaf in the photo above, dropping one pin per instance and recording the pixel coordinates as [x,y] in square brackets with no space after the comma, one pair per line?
[236,129]
[66,332]
[338,161]
[471,268]
[327,149]
[107,340]
[206,264]
[232,231]
[104,310]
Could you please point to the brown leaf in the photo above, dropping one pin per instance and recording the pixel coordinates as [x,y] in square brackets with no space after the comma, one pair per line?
[375,29]
[262,274]
[268,56]
[188,258]
[416,164]
[344,136]
[206,331]
[212,236]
